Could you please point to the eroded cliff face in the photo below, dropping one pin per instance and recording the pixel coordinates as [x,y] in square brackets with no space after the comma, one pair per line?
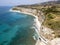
[46,35]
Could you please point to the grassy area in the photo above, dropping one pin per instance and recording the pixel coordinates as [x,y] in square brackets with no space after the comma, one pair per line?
[53,19]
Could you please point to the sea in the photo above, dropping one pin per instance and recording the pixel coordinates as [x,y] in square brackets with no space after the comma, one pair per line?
[16,28]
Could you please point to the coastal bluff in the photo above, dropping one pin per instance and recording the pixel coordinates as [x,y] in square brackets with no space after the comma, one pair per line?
[46,36]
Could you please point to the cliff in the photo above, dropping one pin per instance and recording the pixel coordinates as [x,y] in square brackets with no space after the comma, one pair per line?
[46,35]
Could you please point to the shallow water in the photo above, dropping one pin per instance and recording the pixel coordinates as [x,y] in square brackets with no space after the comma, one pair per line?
[16,28]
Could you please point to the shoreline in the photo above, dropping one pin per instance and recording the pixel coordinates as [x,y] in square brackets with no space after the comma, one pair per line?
[11,10]
[37,22]
[36,18]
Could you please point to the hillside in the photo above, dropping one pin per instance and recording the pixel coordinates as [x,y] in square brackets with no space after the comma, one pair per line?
[41,4]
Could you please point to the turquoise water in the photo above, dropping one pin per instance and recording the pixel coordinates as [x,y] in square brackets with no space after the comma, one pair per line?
[16,28]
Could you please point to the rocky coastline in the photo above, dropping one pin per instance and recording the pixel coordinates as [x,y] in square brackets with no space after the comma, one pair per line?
[45,33]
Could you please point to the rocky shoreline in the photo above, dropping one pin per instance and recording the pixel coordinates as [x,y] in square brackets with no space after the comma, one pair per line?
[45,32]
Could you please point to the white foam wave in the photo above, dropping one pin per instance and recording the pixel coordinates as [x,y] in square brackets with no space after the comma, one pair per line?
[37,25]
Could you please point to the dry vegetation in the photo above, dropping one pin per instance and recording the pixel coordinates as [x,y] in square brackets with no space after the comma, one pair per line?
[52,20]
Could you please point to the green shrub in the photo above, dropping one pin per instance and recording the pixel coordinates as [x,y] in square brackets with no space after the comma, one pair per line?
[49,16]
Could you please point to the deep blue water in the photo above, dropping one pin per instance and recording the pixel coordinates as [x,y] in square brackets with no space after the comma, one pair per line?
[16,28]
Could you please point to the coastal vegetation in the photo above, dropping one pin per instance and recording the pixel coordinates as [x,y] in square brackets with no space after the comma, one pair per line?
[52,19]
